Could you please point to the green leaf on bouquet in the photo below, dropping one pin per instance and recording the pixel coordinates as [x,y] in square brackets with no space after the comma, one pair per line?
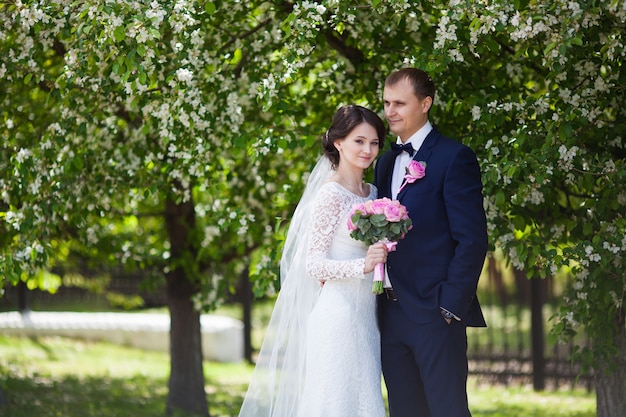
[395,228]
[378,220]
[364,226]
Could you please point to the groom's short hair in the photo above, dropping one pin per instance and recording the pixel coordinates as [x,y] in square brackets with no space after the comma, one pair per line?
[423,85]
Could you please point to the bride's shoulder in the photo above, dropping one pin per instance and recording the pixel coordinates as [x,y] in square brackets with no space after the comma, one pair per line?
[330,185]
[373,192]
[330,188]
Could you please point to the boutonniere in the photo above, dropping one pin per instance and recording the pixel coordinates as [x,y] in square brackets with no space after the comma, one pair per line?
[414,171]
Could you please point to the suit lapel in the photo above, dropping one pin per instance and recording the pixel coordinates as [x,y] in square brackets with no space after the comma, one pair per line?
[425,150]
[387,162]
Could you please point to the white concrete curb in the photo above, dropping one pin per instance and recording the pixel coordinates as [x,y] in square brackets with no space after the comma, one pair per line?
[222,337]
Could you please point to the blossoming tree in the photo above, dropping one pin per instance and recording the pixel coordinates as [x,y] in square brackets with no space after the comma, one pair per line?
[169,135]
[131,133]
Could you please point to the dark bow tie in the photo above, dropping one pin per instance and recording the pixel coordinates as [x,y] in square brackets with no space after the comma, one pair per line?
[397,148]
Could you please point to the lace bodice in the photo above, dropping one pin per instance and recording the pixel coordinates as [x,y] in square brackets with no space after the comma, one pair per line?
[330,235]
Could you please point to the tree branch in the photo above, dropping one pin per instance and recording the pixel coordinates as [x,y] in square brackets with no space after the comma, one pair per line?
[337,41]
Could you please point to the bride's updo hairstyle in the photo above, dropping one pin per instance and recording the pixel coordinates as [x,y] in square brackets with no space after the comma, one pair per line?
[344,121]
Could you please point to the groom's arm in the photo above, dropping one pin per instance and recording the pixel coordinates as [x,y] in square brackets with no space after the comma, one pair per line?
[466,215]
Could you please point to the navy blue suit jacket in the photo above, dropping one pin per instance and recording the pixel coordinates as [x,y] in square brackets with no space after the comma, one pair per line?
[439,261]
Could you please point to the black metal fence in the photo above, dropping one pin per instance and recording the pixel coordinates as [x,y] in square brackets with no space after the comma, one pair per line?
[515,347]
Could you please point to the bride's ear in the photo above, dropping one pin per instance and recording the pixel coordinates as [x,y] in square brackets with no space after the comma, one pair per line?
[337,145]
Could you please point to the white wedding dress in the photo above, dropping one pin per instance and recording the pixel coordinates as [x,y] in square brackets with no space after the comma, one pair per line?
[321,352]
[343,371]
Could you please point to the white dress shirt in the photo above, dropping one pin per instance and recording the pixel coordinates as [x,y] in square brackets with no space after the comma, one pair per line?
[402,160]
[399,170]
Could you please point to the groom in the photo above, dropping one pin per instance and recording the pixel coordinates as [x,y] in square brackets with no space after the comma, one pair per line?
[433,274]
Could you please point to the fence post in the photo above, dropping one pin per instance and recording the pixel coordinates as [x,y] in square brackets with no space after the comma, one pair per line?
[538,337]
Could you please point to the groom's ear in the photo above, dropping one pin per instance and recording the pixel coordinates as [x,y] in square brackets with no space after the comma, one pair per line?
[427,103]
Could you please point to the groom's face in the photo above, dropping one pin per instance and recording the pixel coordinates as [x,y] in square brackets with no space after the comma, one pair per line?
[404,111]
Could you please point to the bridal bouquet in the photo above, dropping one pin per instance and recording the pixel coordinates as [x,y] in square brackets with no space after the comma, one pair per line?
[381,220]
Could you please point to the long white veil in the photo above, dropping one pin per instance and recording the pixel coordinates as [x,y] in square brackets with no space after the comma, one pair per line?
[277,381]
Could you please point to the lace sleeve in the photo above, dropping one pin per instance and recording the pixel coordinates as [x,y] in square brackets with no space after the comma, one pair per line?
[330,208]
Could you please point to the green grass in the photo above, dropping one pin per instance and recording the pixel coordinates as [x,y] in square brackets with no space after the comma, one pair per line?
[58,377]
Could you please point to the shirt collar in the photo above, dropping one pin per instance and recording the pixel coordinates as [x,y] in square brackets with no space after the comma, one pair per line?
[418,137]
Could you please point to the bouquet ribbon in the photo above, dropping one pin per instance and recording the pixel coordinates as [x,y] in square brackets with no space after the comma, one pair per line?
[379,269]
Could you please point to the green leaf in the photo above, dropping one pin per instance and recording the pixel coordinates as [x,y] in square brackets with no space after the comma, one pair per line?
[155,33]
[499,198]
[565,130]
[286,24]
[519,222]
[364,226]
[458,106]
[378,220]
[78,162]
[119,33]
[209,7]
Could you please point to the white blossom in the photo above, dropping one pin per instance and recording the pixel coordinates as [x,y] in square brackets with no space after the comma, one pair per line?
[566,157]
[611,247]
[23,155]
[14,219]
[184,75]
[476,112]
[591,255]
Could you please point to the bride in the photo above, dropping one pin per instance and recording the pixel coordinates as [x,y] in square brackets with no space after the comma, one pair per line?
[321,353]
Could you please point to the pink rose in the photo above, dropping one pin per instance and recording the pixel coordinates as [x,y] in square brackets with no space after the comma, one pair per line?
[378,206]
[361,208]
[404,214]
[351,226]
[357,208]
[414,171]
[393,213]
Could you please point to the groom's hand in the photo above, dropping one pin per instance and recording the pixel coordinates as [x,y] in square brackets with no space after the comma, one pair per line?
[447,316]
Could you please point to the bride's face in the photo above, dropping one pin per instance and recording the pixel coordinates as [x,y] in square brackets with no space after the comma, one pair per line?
[360,147]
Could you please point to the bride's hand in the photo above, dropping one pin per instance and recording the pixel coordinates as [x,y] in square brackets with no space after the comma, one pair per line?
[376,254]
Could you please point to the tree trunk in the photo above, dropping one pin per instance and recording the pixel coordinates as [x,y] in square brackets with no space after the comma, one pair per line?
[247,296]
[23,302]
[186,384]
[611,381]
